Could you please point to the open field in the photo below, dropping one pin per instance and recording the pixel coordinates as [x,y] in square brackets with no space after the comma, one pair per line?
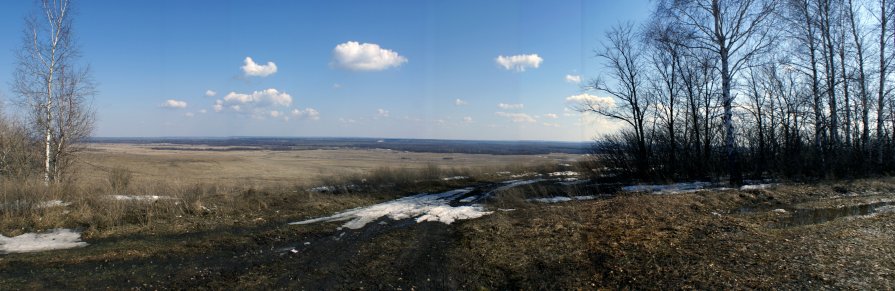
[185,163]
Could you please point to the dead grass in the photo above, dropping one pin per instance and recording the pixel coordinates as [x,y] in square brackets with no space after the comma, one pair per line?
[125,201]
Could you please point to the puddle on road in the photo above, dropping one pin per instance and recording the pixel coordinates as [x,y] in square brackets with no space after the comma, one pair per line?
[801,217]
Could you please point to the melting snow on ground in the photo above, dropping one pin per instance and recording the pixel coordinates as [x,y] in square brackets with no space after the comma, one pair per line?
[757,186]
[559,199]
[53,203]
[141,197]
[56,239]
[563,173]
[515,183]
[523,175]
[423,207]
[668,189]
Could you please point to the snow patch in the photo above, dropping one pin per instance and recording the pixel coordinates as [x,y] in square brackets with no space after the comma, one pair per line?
[424,207]
[757,186]
[455,178]
[56,239]
[141,197]
[515,183]
[469,199]
[53,203]
[668,189]
[563,173]
[559,199]
[523,175]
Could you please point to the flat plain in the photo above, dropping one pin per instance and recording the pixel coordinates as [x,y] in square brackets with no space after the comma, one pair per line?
[257,166]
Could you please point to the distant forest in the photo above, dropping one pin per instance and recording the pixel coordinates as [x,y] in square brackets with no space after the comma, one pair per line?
[735,89]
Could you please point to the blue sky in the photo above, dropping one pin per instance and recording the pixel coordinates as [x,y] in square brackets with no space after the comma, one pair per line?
[343,68]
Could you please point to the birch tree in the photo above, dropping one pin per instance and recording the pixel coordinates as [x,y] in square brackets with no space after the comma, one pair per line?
[53,87]
[735,31]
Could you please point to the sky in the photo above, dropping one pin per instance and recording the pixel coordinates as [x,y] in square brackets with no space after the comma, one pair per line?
[476,70]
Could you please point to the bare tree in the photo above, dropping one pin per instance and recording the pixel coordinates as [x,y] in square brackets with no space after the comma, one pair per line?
[735,31]
[623,56]
[53,87]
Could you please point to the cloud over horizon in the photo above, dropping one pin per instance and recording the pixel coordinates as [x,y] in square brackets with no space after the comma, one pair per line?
[517,117]
[519,63]
[255,70]
[587,99]
[174,104]
[506,106]
[365,57]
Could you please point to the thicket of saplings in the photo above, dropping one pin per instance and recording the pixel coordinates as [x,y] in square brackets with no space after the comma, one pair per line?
[755,89]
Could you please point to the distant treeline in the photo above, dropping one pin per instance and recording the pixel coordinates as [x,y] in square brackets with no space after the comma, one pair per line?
[409,145]
[754,88]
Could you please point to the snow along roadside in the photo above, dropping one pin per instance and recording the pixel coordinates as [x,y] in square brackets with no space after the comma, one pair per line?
[423,207]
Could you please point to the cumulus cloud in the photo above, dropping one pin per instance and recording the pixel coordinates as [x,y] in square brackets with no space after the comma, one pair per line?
[506,106]
[517,117]
[307,113]
[591,100]
[269,97]
[218,105]
[189,114]
[203,111]
[210,93]
[551,115]
[381,113]
[574,79]
[275,113]
[174,104]
[467,119]
[253,69]
[365,57]
[519,62]
[460,102]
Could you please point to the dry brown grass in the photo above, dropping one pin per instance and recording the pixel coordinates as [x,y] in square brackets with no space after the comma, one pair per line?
[203,190]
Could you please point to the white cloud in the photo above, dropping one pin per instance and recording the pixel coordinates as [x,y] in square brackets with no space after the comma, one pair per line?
[174,104]
[275,113]
[210,93]
[467,119]
[218,106]
[460,102]
[506,106]
[381,113]
[308,113]
[189,114]
[574,79]
[253,69]
[203,111]
[551,115]
[517,117]
[584,98]
[365,57]
[269,97]
[519,62]
[550,124]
